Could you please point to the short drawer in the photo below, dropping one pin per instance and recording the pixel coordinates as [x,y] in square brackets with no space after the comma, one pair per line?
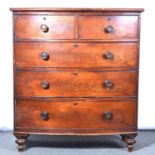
[108,27]
[76,55]
[76,83]
[105,115]
[44,27]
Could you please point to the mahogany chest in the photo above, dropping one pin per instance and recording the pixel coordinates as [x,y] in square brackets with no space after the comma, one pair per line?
[76,72]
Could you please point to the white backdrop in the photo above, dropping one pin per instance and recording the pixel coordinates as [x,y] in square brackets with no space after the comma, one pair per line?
[147,61]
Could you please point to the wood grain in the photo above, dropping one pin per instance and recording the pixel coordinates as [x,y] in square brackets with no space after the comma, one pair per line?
[92,27]
[76,84]
[75,115]
[76,54]
[60,27]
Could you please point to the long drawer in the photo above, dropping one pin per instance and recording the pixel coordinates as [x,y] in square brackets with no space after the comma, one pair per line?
[59,83]
[46,54]
[88,114]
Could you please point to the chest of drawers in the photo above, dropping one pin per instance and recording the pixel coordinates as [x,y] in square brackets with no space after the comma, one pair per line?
[76,72]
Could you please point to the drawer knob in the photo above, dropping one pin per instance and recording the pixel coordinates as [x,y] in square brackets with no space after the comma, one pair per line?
[109,29]
[108,83]
[44,55]
[107,115]
[44,115]
[44,84]
[44,28]
[108,55]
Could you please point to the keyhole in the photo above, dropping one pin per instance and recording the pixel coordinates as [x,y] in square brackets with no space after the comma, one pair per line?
[75,103]
[109,18]
[76,45]
[75,73]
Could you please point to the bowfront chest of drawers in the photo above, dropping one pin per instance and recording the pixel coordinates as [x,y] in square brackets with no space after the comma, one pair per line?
[76,72]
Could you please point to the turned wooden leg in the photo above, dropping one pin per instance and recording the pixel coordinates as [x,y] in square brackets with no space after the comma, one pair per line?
[130,141]
[21,141]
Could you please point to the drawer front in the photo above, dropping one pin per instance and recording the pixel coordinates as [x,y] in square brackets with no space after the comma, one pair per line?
[74,115]
[108,27]
[44,27]
[76,83]
[76,55]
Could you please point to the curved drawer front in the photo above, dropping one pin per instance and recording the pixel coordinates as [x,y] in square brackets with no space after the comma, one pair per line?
[76,55]
[72,115]
[108,27]
[76,83]
[44,27]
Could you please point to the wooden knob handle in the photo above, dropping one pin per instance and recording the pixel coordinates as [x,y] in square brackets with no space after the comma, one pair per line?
[108,55]
[44,84]
[44,115]
[44,55]
[44,28]
[107,115]
[109,29]
[108,83]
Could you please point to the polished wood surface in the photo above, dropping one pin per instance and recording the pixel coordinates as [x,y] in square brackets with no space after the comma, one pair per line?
[75,115]
[94,27]
[59,27]
[124,10]
[76,84]
[76,54]
[76,72]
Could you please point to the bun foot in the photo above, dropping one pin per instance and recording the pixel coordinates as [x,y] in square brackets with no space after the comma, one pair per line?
[129,139]
[21,141]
